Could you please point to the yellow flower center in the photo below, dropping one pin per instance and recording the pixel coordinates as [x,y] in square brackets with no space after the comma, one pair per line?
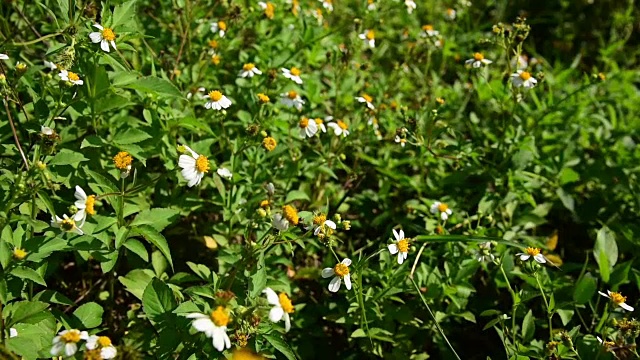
[367,98]
[319,12]
[370,35]
[269,143]
[90,204]
[403,245]
[342,125]
[264,203]
[370,2]
[122,160]
[215,59]
[292,95]
[222,25]
[269,11]
[291,214]
[104,341]
[67,224]
[440,101]
[617,298]
[341,270]
[525,75]
[443,207]
[202,164]
[263,98]
[295,71]
[72,336]
[304,122]
[108,34]
[319,219]
[319,121]
[73,76]
[450,11]
[427,27]
[19,253]
[215,95]
[285,303]
[248,67]
[213,44]
[219,316]
[532,251]
[478,56]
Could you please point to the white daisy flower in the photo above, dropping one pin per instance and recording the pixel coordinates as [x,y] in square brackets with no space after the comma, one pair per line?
[49,65]
[339,128]
[198,93]
[308,128]
[366,99]
[70,77]
[102,343]
[322,224]
[293,74]
[369,38]
[281,309]
[520,62]
[4,57]
[411,5]
[428,31]
[442,208]
[105,37]
[534,253]
[327,4]
[68,224]
[269,9]
[320,123]
[401,246]
[523,79]
[194,166]
[450,14]
[371,5]
[478,60]
[339,272]
[249,70]
[46,131]
[66,342]
[484,252]
[214,326]
[401,141]
[219,27]
[13,332]
[84,203]
[224,173]
[217,100]
[292,99]
[617,299]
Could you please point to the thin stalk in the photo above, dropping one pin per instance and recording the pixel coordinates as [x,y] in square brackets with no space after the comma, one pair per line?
[433,317]
[514,307]
[546,303]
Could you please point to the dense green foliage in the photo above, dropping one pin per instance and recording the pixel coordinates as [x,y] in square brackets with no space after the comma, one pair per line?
[169,183]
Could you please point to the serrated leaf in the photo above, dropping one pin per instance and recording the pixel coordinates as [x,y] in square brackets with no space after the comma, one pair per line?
[154,85]
[158,218]
[585,289]
[137,248]
[158,299]
[279,344]
[130,136]
[296,195]
[67,157]
[89,315]
[123,13]
[528,327]
[27,273]
[23,311]
[154,237]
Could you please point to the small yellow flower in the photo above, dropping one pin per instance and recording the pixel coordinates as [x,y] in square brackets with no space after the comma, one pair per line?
[19,253]
[269,143]
[213,44]
[215,59]
[291,214]
[122,160]
[269,9]
[263,98]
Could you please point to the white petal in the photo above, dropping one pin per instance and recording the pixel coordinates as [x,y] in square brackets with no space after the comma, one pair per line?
[98,26]
[540,258]
[400,258]
[113,44]
[626,307]
[330,224]
[603,294]
[272,297]
[80,194]
[196,316]
[346,261]
[57,347]
[276,314]
[92,342]
[204,325]
[347,281]
[218,339]
[524,257]
[70,349]
[95,37]
[395,234]
[104,45]
[327,272]
[108,352]
[401,234]
[186,162]
[287,322]
[334,285]
[13,332]
[393,248]
[227,341]
[444,216]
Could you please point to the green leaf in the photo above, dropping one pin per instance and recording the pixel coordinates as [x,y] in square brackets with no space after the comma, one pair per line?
[585,289]
[259,279]
[51,296]
[154,85]
[566,198]
[63,5]
[27,273]
[136,281]
[279,344]
[89,315]
[158,299]
[296,195]
[528,327]
[158,218]
[23,312]
[137,248]
[565,315]
[130,136]
[154,237]
[568,175]
[606,252]
[67,157]
[123,13]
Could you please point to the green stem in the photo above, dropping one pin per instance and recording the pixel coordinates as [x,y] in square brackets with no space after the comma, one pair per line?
[1,325]
[121,212]
[514,307]
[546,303]
[434,319]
